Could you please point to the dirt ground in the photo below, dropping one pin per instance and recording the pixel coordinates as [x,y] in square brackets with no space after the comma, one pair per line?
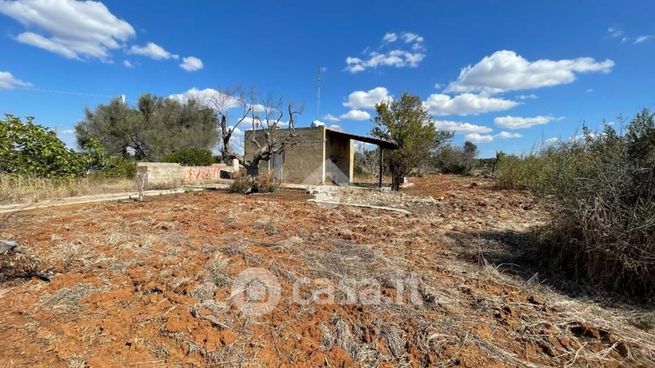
[147,284]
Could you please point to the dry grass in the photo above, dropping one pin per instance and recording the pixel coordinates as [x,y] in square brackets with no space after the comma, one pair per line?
[172,293]
[66,300]
[26,190]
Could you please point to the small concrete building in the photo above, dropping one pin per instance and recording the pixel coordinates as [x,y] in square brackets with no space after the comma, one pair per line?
[316,155]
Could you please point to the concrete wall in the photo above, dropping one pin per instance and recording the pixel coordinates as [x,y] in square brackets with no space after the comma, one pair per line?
[340,152]
[303,158]
[169,174]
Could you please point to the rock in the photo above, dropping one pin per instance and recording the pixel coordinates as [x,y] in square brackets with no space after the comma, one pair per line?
[7,245]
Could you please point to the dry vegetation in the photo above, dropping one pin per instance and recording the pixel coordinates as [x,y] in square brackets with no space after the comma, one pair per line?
[18,189]
[148,284]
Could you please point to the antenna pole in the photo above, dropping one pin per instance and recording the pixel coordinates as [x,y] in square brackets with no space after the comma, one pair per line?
[318,93]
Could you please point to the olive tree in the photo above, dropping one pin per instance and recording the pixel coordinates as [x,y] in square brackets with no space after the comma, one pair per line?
[407,122]
[154,128]
[233,106]
[268,136]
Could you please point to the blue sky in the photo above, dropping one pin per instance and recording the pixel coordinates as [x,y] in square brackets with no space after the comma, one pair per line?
[505,74]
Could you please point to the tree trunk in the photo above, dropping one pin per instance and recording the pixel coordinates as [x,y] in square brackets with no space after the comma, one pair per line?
[397,178]
[252,167]
[396,182]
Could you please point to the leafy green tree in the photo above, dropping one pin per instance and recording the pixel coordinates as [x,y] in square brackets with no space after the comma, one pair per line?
[450,160]
[30,149]
[407,122]
[155,127]
[470,153]
[190,156]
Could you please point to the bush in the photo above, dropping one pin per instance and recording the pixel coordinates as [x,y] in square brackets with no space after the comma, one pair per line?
[603,186]
[116,168]
[190,156]
[263,183]
[241,184]
[32,150]
[527,172]
[266,183]
[456,160]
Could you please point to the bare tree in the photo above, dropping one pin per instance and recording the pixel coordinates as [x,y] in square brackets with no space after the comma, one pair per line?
[267,134]
[234,98]
[371,161]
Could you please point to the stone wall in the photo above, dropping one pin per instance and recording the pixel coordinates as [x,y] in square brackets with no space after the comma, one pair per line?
[164,174]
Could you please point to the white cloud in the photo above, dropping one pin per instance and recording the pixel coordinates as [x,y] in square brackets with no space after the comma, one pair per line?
[619,34]
[389,37]
[356,115]
[466,104]
[153,51]
[478,138]
[335,126]
[247,122]
[367,99]
[615,32]
[33,39]
[530,96]
[385,55]
[507,135]
[7,81]
[642,38]
[412,38]
[459,127]
[236,140]
[73,29]
[127,64]
[204,97]
[551,140]
[191,64]
[395,58]
[330,117]
[507,71]
[517,122]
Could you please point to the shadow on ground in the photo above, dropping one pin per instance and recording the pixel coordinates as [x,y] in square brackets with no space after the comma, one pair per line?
[518,254]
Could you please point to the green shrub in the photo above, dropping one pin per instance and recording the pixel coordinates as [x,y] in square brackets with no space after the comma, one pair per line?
[455,160]
[603,186]
[32,150]
[190,156]
[116,168]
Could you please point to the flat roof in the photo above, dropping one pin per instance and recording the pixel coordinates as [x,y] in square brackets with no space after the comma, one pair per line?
[365,138]
[362,138]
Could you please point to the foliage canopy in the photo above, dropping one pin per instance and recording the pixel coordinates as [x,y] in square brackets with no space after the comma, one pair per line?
[33,150]
[155,127]
[407,122]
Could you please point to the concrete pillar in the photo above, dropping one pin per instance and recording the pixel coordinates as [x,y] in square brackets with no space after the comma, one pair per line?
[351,160]
[324,158]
